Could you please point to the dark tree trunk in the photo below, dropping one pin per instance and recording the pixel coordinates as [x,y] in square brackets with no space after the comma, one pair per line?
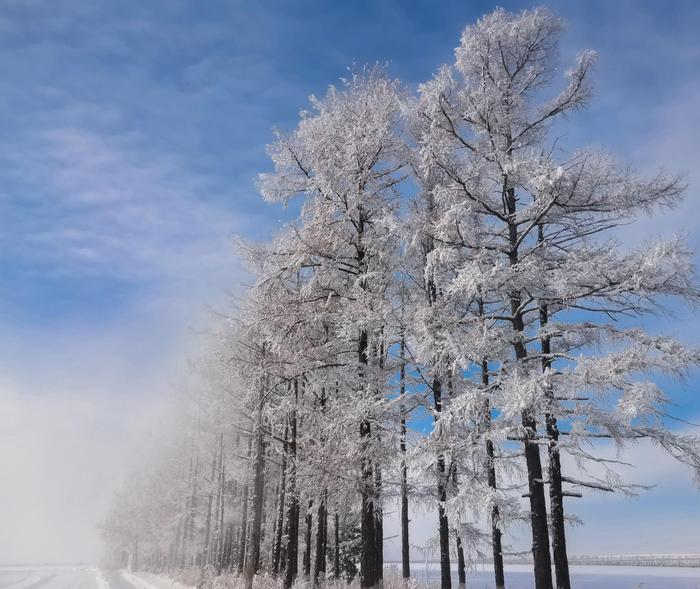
[292,549]
[307,541]
[277,548]
[405,546]
[445,571]
[496,540]
[461,567]
[556,498]
[368,562]
[538,507]
[219,545]
[378,526]
[321,531]
[253,561]
[336,547]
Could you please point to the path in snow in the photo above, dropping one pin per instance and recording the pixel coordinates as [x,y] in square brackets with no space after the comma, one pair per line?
[47,577]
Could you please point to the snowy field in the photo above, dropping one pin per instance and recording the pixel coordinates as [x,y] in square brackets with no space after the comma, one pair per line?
[582,577]
[47,577]
[517,577]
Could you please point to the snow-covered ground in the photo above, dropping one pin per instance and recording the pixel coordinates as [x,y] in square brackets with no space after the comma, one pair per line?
[517,577]
[69,577]
[582,577]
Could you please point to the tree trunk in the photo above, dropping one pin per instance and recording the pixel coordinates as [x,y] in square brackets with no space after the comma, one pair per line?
[461,567]
[496,540]
[219,546]
[292,549]
[378,526]
[538,507]
[445,571]
[336,548]
[307,541]
[277,548]
[243,531]
[368,562]
[405,546]
[556,498]
[321,532]
[253,561]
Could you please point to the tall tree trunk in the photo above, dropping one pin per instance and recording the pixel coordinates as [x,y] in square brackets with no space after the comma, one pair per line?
[219,546]
[378,526]
[242,546]
[307,541]
[461,567]
[368,562]
[243,537]
[277,548]
[321,533]
[556,497]
[538,507]
[496,540]
[253,561]
[405,546]
[445,570]
[336,547]
[292,548]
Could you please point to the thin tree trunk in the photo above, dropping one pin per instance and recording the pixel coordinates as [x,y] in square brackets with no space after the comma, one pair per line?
[496,540]
[378,526]
[336,547]
[445,571]
[244,523]
[243,531]
[220,511]
[321,530]
[405,546]
[461,567]
[307,541]
[253,561]
[277,548]
[368,562]
[292,549]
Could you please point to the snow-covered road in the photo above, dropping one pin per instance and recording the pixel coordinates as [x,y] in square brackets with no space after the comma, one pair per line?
[47,577]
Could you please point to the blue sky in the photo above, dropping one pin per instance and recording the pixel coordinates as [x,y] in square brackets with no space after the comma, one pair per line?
[130,137]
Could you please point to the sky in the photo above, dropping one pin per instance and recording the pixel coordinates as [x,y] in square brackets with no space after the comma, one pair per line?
[131,134]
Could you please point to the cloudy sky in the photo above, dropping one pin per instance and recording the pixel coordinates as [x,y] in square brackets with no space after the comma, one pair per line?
[130,136]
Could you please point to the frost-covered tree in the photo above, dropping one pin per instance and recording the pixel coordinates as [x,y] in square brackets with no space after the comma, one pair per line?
[521,234]
[345,160]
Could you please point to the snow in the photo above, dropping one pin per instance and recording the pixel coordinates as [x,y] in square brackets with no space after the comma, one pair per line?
[519,576]
[78,577]
[151,581]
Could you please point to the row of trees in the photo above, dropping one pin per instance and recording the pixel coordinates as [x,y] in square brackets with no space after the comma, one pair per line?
[449,321]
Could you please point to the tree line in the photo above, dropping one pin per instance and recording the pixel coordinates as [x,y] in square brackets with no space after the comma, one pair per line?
[450,321]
